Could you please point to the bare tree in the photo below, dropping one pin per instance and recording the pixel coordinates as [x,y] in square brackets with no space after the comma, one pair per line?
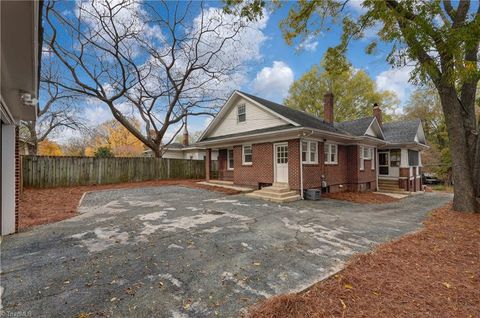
[156,62]
[56,110]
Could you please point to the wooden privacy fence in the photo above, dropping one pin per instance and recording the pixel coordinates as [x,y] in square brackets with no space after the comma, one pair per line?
[49,172]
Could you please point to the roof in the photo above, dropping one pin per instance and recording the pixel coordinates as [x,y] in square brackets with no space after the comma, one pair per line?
[299,117]
[395,132]
[401,131]
[250,132]
[356,127]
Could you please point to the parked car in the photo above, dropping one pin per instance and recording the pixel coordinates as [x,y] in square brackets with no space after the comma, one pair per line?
[430,179]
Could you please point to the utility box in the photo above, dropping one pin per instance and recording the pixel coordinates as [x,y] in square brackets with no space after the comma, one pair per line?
[312,194]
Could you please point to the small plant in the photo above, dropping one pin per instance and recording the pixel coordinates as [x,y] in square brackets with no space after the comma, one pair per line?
[103,152]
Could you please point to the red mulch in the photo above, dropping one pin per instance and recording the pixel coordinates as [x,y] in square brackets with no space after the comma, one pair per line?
[361,197]
[41,206]
[432,273]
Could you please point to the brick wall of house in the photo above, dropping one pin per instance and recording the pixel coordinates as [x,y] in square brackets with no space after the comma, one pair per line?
[312,173]
[17,177]
[261,169]
[336,174]
[343,176]
[360,180]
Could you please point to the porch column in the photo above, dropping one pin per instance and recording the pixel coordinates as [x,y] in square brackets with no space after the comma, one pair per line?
[8,179]
[208,164]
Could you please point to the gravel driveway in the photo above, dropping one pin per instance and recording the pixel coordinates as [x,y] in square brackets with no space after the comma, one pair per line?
[182,252]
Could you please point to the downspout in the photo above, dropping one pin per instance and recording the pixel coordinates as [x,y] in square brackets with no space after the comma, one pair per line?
[301,169]
[376,167]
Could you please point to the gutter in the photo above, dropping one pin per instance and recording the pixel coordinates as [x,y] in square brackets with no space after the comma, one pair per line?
[301,168]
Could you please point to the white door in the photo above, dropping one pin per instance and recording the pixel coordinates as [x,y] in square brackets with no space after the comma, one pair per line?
[281,162]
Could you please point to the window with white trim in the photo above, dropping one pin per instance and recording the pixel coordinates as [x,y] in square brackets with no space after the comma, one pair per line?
[366,153]
[241,113]
[309,152]
[247,155]
[331,153]
[230,159]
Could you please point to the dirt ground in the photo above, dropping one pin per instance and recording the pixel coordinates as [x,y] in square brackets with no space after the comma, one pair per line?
[42,206]
[361,197]
[431,273]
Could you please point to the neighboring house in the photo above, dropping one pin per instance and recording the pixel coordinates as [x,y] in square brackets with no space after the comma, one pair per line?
[20,45]
[261,143]
[184,150]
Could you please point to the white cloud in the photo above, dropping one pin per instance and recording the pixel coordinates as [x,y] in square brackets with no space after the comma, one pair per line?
[309,44]
[396,80]
[273,82]
[356,5]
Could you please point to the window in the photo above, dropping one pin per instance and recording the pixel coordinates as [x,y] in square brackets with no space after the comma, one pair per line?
[241,113]
[367,153]
[230,159]
[282,154]
[372,156]
[395,158]
[330,151]
[412,158]
[362,157]
[247,155]
[309,152]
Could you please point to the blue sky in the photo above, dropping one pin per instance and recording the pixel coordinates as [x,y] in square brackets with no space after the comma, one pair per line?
[277,64]
[270,78]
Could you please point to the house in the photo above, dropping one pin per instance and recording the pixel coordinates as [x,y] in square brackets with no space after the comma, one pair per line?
[262,143]
[184,150]
[20,43]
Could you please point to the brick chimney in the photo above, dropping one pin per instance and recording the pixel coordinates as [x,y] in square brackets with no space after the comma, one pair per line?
[328,107]
[377,112]
[185,134]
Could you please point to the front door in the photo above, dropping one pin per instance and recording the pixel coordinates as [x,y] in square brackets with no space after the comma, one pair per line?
[281,162]
[383,163]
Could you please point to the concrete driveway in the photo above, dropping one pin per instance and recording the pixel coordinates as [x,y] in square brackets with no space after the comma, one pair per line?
[181,252]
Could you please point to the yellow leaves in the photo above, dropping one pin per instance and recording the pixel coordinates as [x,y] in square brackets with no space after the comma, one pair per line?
[115,136]
[348,286]
[447,285]
[49,148]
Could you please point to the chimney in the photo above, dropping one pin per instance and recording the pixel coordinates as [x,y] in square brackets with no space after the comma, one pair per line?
[328,108]
[185,134]
[377,112]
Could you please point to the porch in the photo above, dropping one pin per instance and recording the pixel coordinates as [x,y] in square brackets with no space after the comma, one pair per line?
[399,170]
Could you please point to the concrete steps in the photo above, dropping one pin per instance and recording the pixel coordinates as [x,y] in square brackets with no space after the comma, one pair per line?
[389,186]
[277,193]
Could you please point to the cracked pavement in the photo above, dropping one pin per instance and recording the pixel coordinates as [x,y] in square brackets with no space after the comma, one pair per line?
[181,252]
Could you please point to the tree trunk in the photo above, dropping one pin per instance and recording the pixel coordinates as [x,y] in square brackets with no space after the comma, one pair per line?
[32,147]
[463,163]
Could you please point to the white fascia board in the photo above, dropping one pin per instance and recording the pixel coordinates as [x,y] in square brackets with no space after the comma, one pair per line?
[374,120]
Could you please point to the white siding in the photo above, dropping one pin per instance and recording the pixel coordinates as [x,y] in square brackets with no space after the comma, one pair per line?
[257,118]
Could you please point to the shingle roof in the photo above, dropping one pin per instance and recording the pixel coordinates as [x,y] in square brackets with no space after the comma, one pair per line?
[250,132]
[401,131]
[356,127]
[395,132]
[299,117]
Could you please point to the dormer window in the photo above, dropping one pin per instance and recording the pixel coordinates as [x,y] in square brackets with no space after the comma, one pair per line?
[241,113]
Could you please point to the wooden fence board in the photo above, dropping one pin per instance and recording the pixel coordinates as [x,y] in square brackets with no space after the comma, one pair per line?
[51,172]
